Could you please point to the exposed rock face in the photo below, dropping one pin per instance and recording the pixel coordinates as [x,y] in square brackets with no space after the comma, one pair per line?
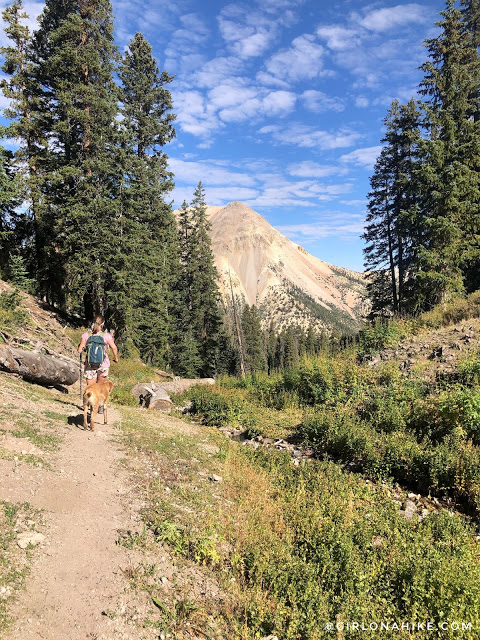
[288,284]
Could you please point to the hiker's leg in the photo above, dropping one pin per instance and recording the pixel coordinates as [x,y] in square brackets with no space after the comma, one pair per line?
[101,377]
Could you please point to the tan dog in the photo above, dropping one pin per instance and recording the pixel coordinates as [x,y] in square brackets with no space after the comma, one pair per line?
[96,395]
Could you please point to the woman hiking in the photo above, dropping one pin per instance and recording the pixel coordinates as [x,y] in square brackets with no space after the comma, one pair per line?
[97,362]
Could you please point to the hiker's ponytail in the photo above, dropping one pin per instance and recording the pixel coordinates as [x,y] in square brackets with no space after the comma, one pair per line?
[97,325]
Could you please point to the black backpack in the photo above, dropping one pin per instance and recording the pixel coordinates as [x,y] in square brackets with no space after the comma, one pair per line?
[96,348]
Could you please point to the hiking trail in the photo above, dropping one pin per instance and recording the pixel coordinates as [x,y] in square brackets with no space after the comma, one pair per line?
[77,588]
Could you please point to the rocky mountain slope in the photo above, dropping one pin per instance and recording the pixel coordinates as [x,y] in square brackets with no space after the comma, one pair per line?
[289,286]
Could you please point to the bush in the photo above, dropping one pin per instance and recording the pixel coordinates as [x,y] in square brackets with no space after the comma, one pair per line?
[10,313]
[382,334]
[122,394]
[220,407]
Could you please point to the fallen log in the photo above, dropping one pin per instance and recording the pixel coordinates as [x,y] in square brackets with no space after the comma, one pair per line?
[143,389]
[160,401]
[152,396]
[184,384]
[39,367]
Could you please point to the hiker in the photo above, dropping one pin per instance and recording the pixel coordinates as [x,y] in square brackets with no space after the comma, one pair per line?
[97,362]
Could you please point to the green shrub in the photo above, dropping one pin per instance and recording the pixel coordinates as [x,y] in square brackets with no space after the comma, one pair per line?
[382,334]
[219,406]
[11,313]
[122,394]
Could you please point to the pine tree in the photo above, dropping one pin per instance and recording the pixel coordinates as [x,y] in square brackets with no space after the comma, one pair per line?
[271,340]
[310,341]
[255,359]
[22,89]
[390,251]
[148,262]
[450,159]
[18,274]
[74,55]
[9,200]
[290,356]
[202,284]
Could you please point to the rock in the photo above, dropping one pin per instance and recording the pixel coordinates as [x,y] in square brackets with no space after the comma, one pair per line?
[214,478]
[409,510]
[377,541]
[29,538]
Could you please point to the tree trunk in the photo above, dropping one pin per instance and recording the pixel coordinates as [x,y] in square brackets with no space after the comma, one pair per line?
[38,367]
[160,401]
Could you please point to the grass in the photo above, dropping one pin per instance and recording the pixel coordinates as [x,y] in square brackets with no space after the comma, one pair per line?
[127,373]
[290,548]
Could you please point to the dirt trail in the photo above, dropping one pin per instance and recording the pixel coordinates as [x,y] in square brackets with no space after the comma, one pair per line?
[76,588]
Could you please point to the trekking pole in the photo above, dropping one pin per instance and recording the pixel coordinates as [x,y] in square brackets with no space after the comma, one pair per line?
[80,378]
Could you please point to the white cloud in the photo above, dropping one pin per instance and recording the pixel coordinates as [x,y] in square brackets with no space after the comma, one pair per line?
[338,38]
[393,17]
[236,102]
[309,169]
[317,101]
[213,195]
[183,52]
[303,135]
[365,157]
[279,103]
[208,172]
[303,60]
[269,80]
[194,115]
[362,102]
[247,33]
[328,226]
[215,71]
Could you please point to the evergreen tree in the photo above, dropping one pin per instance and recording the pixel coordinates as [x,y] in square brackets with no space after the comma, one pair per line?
[9,200]
[255,358]
[74,55]
[18,274]
[450,160]
[147,263]
[290,356]
[390,249]
[271,340]
[202,284]
[22,89]
[310,341]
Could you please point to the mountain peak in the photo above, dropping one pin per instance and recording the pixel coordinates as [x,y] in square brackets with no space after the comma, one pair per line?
[289,285]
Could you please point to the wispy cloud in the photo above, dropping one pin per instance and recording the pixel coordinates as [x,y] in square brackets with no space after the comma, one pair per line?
[192,172]
[303,135]
[393,17]
[318,101]
[303,60]
[245,32]
[309,169]
[365,157]
[342,225]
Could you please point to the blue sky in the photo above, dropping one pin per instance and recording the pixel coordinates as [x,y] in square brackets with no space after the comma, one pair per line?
[280,103]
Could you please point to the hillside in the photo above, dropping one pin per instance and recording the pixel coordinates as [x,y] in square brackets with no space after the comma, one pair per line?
[289,285]
[159,527]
